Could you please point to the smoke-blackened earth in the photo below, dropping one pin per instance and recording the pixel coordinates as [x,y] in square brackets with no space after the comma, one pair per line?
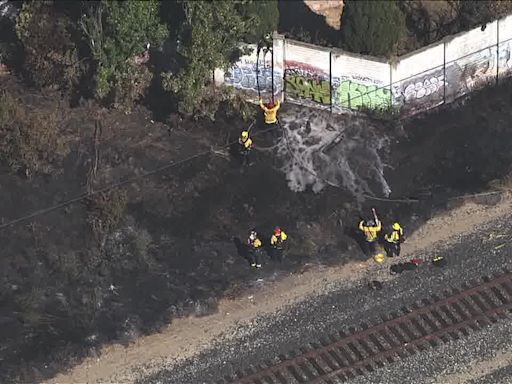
[177,249]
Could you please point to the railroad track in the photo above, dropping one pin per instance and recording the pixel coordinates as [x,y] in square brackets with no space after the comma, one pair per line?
[339,357]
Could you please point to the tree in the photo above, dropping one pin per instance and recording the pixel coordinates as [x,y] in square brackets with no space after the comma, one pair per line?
[263,16]
[9,43]
[473,13]
[118,32]
[50,55]
[371,27]
[209,39]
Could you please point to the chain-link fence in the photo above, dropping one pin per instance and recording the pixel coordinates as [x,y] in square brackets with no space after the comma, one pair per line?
[338,81]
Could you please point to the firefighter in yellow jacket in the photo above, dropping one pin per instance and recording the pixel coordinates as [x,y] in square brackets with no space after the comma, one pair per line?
[270,110]
[244,146]
[393,240]
[371,230]
[254,244]
[277,241]
[278,238]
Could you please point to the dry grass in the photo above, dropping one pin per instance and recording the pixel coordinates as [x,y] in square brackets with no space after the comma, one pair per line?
[504,184]
[105,211]
[30,140]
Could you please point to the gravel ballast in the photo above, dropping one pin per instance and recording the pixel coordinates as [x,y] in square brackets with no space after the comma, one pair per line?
[342,306]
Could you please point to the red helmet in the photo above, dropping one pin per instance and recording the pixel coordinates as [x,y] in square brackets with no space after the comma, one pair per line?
[270,104]
[277,231]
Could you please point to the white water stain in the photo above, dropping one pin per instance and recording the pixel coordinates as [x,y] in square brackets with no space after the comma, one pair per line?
[320,149]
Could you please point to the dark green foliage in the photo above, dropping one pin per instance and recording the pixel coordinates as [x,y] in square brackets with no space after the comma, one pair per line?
[10,50]
[371,27]
[264,18]
[61,41]
[209,39]
[117,32]
[473,13]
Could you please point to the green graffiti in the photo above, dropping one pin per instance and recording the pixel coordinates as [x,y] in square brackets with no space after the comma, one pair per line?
[316,90]
[354,95]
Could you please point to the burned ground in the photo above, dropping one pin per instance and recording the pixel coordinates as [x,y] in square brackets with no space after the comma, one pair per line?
[111,267]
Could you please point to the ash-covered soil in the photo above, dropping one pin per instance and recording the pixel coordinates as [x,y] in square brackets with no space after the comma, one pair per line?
[67,288]
[471,256]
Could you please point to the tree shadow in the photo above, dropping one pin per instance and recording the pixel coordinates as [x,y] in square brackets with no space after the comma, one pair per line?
[242,249]
[160,102]
[297,20]
[358,237]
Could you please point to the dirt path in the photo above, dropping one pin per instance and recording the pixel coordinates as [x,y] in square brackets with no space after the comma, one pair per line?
[188,336]
[478,369]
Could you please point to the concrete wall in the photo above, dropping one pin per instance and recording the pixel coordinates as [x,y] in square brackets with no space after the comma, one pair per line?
[414,89]
[242,75]
[307,75]
[359,82]
[331,79]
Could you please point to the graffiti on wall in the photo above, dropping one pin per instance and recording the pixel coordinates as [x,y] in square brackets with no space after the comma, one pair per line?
[360,93]
[243,75]
[471,72]
[421,87]
[307,82]
[310,85]
[420,92]
[505,57]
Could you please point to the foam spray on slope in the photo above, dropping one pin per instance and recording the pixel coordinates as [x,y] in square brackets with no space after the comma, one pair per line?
[320,149]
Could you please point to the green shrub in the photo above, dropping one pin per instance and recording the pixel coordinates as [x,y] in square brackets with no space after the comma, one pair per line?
[117,32]
[264,17]
[209,39]
[371,27]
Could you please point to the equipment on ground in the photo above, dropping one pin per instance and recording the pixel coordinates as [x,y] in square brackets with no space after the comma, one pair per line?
[379,258]
[375,285]
[439,261]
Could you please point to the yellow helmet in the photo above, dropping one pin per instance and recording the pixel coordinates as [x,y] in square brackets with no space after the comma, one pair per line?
[396,226]
[379,258]
[245,134]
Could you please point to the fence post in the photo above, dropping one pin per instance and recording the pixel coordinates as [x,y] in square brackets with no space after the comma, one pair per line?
[330,79]
[284,69]
[272,68]
[391,84]
[497,51]
[444,71]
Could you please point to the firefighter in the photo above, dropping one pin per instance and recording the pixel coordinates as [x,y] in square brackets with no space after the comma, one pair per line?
[393,240]
[270,111]
[266,43]
[245,145]
[277,241]
[254,244]
[371,229]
